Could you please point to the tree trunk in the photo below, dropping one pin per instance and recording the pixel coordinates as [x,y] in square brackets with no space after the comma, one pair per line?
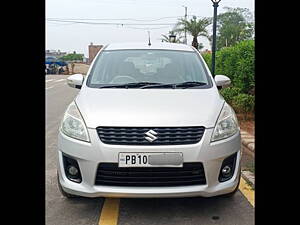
[195,42]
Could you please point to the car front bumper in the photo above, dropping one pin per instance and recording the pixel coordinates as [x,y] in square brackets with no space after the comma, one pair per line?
[89,155]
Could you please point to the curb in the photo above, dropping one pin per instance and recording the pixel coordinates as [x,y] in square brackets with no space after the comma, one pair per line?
[248,141]
[249,177]
[250,144]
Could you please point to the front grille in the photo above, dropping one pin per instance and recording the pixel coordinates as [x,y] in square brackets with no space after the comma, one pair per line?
[112,175]
[137,135]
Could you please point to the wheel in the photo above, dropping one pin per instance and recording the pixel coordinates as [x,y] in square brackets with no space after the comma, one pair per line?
[65,194]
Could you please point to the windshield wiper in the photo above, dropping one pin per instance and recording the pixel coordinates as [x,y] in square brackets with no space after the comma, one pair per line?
[129,85]
[175,85]
[190,84]
[159,85]
[145,84]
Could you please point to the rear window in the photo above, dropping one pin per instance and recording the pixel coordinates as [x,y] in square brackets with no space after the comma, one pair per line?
[161,66]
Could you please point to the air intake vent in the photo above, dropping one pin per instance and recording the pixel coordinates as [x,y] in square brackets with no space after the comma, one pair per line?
[112,175]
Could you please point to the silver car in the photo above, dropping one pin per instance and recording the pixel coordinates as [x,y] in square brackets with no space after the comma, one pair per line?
[148,122]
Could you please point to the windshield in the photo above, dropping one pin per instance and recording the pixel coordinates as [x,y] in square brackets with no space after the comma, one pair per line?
[118,67]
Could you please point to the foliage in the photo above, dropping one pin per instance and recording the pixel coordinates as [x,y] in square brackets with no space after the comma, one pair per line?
[243,75]
[236,62]
[243,103]
[229,94]
[71,57]
[207,59]
[194,27]
[234,26]
[166,37]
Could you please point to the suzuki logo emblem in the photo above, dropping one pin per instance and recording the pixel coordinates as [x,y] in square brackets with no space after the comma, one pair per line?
[151,136]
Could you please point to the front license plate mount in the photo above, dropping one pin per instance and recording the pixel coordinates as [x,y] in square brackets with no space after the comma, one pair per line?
[150,159]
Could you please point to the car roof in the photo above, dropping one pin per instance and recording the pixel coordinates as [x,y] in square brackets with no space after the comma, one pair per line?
[144,45]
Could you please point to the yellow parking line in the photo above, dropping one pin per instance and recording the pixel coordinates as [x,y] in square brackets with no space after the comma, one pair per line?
[247,191]
[110,212]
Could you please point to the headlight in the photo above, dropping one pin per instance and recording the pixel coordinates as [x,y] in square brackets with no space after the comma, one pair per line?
[227,124]
[73,125]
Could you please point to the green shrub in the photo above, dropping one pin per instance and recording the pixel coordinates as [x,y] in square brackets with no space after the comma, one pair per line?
[226,60]
[243,103]
[229,93]
[236,62]
[207,59]
[244,73]
[72,56]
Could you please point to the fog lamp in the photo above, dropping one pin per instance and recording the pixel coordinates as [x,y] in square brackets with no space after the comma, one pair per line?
[72,170]
[226,171]
[227,168]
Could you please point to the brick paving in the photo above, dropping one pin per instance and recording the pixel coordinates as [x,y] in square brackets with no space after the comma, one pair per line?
[248,140]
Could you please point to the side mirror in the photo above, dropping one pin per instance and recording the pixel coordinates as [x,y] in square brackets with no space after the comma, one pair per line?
[75,81]
[222,81]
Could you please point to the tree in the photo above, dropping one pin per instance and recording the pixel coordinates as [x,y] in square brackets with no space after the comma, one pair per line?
[194,27]
[234,26]
[166,37]
[71,57]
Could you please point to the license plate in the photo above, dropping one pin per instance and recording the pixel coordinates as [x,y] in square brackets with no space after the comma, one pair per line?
[154,159]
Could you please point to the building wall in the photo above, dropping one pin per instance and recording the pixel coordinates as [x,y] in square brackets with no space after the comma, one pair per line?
[93,50]
[54,53]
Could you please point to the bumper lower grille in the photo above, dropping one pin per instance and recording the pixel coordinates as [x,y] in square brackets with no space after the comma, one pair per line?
[112,175]
[162,135]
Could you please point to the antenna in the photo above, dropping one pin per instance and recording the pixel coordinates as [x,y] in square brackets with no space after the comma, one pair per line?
[149,38]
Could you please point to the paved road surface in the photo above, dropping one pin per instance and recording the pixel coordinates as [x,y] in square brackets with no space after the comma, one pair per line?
[83,211]
[60,211]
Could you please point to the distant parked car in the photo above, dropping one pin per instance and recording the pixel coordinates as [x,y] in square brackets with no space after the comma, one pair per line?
[50,59]
[52,64]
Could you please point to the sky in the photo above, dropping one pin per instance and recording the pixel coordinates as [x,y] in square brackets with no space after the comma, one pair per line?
[69,37]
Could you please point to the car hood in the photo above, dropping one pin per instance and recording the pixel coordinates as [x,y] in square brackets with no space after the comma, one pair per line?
[149,107]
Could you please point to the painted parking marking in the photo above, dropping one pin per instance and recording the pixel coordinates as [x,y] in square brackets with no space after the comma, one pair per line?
[57,84]
[110,212]
[247,191]
[49,80]
[59,80]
